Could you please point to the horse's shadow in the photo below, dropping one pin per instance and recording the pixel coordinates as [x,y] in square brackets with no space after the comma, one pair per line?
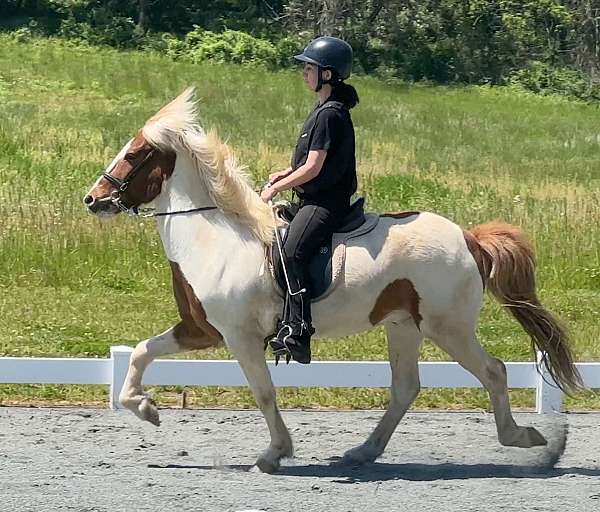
[380,471]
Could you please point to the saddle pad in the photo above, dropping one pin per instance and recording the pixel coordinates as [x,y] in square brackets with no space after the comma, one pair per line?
[327,265]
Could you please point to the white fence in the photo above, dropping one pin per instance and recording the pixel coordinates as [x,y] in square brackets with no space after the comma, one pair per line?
[112,371]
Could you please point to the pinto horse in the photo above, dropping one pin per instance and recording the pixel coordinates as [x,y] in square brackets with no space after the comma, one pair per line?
[418,275]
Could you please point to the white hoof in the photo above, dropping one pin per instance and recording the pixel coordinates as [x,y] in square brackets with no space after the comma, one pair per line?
[142,406]
[363,454]
[269,466]
[149,411]
[270,460]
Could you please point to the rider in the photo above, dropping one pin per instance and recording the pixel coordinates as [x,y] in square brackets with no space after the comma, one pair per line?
[323,175]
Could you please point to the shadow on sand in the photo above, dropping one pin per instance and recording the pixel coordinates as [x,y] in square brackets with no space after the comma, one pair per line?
[378,471]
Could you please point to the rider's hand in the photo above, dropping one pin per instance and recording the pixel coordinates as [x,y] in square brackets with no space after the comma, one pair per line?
[276,176]
[267,194]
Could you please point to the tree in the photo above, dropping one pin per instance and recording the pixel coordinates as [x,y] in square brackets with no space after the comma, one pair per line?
[587,47]
[143,16]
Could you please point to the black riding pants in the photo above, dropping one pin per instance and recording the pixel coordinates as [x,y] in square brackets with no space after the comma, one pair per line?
[313,224]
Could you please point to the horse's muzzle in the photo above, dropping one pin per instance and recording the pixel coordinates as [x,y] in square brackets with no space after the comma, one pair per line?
[100,207]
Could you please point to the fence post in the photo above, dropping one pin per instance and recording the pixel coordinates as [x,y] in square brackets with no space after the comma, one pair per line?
[120,363]
[548,396]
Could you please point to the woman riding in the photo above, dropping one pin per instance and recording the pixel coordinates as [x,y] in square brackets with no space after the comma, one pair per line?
[323,175]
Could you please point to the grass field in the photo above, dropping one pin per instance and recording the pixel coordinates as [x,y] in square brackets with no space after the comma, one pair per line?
[71,285]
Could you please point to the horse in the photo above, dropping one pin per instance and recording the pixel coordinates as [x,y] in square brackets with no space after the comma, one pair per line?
[417,274]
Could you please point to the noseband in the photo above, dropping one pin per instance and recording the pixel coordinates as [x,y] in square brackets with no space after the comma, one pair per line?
[122,185]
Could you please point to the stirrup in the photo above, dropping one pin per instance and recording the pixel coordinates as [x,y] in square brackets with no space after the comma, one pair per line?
[278,344]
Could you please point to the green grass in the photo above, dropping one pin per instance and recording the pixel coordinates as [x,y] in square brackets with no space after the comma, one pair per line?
[71,285]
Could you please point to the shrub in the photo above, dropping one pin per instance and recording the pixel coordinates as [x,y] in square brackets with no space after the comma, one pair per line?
[175,48]
[118,31]
[286,48]
[27,32]
[22,35]
[545,79]
[229,46]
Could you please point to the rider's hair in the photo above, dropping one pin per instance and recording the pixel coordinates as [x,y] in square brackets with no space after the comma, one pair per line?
[346,93]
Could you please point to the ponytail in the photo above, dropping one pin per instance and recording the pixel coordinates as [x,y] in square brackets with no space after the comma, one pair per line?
[342,91]
[347,94]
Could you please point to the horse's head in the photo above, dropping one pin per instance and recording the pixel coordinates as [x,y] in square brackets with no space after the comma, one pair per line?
[134,177]
[207,176]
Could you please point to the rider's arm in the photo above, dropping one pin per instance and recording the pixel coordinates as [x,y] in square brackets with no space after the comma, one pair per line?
[306,172]
[276,176]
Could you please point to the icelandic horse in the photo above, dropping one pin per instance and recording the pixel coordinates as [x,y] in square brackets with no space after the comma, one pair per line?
[419,275]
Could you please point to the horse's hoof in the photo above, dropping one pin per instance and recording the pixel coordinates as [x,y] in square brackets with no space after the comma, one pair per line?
[359,455]
[535,438]
[525,437]
[149,412]
[267,466]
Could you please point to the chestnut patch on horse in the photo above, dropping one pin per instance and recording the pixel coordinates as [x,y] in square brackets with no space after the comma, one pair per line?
[399,215]
[399,294]
[194,331]
[481,257]
[160,167]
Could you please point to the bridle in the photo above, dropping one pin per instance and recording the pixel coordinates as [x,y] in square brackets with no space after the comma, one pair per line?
[123,185]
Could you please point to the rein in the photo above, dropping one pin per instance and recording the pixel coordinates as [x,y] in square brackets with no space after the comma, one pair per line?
[149,212]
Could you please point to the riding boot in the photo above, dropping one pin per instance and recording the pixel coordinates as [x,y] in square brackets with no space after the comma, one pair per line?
[295,328]
[297,341]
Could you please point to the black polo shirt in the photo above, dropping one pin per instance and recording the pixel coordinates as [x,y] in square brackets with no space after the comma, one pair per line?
[328,126]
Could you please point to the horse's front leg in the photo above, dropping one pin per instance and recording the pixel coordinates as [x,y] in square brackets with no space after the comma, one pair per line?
[248,349]
[178,338]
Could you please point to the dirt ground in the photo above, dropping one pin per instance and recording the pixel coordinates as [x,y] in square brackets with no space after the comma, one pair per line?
[100,460]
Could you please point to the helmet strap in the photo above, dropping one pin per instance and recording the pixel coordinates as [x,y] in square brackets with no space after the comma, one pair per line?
[320,81]
[334,80]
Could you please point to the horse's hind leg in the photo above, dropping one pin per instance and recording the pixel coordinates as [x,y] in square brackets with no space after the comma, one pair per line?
[491,372]
[173,340]
[404,342]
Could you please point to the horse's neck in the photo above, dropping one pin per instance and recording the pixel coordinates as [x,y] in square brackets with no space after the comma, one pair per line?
[184,190]
[212,248]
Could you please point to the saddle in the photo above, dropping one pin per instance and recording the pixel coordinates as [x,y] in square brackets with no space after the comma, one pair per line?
[327,265]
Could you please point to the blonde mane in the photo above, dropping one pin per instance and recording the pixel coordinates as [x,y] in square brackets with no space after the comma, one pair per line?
[228,183]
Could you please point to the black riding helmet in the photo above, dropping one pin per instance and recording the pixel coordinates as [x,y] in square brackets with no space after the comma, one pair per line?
[329,53]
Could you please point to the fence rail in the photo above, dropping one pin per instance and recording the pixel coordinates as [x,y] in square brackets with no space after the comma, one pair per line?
[185,372]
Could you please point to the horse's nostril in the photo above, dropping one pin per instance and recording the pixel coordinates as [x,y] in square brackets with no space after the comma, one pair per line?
[88,200]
